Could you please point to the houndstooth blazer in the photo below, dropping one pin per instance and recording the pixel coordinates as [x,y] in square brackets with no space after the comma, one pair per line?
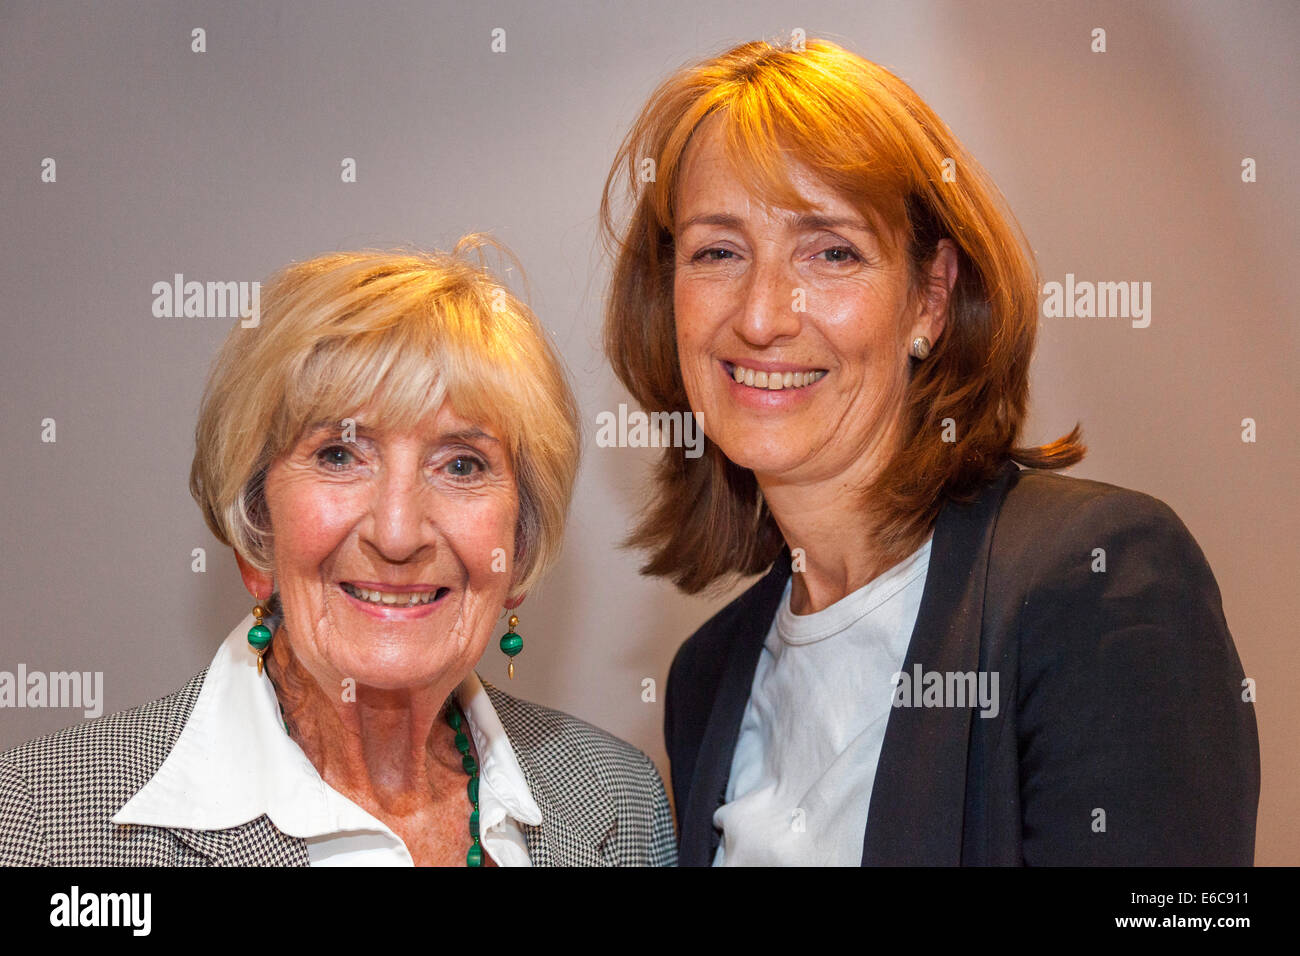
[602,801]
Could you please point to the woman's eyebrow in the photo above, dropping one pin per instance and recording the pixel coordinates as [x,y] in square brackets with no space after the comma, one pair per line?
[315,428]
[469,434]
[810,220]
[459,434]
[802,221]
[714,219]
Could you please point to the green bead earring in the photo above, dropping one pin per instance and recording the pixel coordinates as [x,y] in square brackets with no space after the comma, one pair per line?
[512,644]
[259,636]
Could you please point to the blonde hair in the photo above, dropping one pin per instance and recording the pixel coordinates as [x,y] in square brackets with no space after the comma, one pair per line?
[397,333]
[871,138]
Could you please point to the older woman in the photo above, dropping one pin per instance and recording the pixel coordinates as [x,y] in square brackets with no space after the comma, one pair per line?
[948,659]
[390,454]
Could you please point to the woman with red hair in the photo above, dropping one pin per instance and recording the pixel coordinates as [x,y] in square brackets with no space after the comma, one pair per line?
[953,656]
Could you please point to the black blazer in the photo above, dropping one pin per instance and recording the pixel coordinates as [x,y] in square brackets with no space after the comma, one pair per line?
[1120,690]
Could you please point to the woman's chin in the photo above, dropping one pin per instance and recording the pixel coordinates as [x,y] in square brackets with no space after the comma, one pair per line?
[394,676]
[387,665]
[764,453]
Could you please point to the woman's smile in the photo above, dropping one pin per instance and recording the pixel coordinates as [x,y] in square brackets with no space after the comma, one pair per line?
[392,602]
[770,385]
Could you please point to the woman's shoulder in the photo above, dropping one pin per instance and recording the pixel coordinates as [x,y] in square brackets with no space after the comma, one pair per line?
[59,791]
[607,789]
[560,744]
[1043,508]
[1073,547]
[1050,495]
[113,752]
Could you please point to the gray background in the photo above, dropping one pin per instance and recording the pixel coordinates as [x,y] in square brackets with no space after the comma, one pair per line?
[225,165]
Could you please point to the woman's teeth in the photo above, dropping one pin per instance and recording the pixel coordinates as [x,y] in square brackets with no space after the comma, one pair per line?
[406,599]
[774,381]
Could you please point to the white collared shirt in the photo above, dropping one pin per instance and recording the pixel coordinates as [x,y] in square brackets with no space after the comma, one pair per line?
[810,738]
[234,762]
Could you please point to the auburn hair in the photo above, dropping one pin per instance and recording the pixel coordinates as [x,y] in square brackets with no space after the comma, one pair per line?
[871,138]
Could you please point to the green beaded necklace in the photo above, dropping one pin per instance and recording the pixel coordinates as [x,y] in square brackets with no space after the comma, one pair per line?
[259,638]
[457,721]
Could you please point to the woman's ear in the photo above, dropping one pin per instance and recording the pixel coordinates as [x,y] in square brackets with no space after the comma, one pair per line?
[939,279]
[260,584]
[514,602]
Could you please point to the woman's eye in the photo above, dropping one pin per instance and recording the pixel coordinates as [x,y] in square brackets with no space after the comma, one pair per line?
[840,254]
[712,255]
[463,466]
[334,457]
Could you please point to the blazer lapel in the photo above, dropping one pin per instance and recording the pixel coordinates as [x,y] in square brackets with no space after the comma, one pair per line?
[256,843]
[210,844]
[699,839]
[919,796]
[573,831]
[577,821]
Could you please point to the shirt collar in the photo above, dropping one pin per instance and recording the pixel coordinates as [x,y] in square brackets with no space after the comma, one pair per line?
[234,762]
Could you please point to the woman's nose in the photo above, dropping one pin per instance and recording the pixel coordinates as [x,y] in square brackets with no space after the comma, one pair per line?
[397,528]
[770,306]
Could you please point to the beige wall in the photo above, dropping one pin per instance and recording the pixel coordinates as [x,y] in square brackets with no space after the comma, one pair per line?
[224,165]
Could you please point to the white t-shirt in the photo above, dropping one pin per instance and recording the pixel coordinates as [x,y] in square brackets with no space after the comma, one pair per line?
[810,738]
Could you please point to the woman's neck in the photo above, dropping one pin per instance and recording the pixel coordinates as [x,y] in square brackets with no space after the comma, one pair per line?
[832,554]
[830,530]
[383,749]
